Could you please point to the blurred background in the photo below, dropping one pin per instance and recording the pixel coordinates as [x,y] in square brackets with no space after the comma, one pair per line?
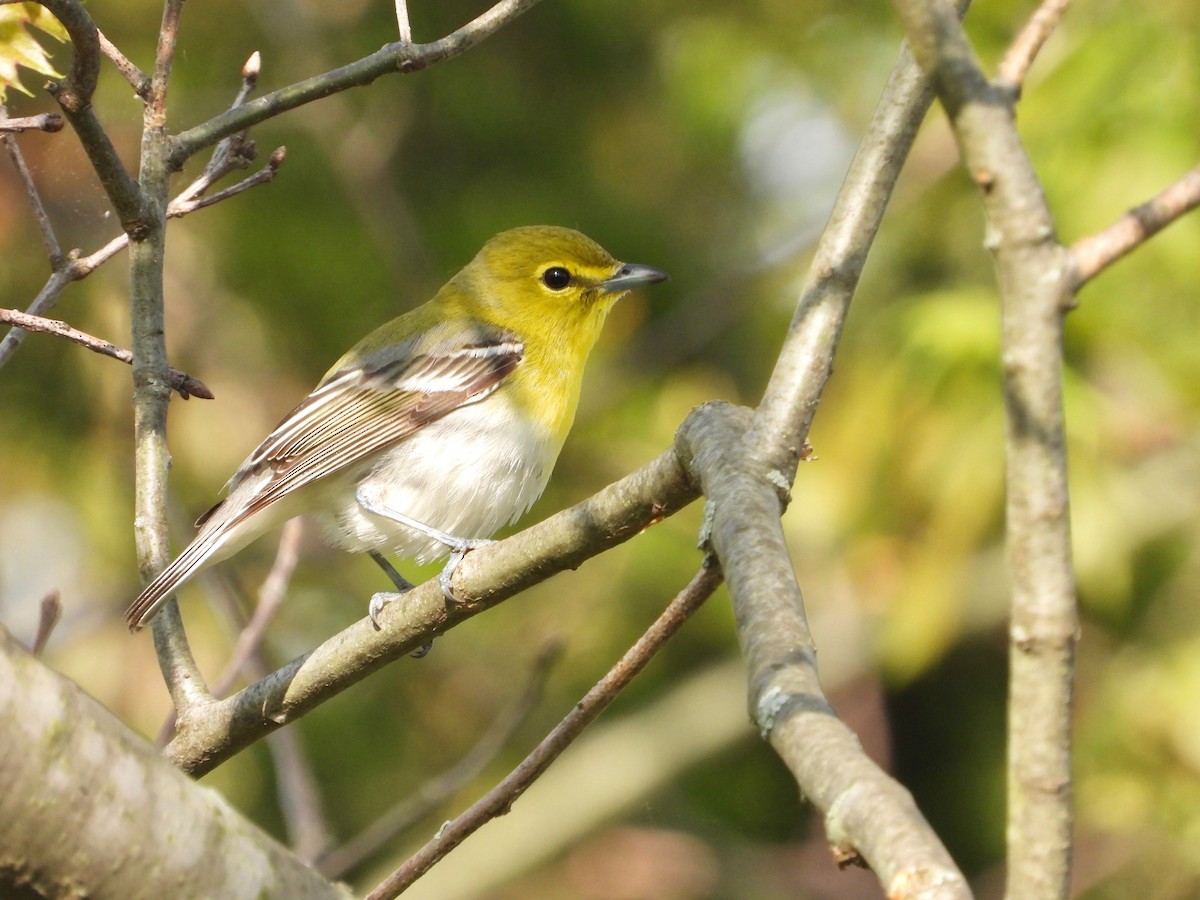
[708,139]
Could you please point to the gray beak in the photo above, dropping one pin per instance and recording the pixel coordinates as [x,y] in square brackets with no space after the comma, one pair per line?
[632,275]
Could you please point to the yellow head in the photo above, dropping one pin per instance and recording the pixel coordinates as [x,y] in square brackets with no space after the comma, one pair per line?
[542,280]
[553,287]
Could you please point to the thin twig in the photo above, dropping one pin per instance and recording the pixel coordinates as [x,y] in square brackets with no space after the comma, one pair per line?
[164,59]
[50,122]
[1093,254]
[299,793]
[1024,50]
[500,799]
[181,382]
[181,205]
[270,598]
[436,791]
[45,226]
[75,269]
[403,27]
[137,79]
[49,615]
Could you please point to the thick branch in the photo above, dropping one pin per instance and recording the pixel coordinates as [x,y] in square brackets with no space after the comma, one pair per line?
[1035,284]
[213,732]
[397,57]
[59,746]
[867,813]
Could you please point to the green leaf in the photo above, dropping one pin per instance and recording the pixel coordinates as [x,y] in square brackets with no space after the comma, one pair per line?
[19,48]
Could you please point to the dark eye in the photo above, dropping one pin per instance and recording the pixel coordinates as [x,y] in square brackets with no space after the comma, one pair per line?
[556,278]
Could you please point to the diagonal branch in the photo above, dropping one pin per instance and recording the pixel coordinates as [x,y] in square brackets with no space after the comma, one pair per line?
[433,793]
[868,815]
[212,732]
[499,799]
[1093,254]
[397,57]
[1024,50]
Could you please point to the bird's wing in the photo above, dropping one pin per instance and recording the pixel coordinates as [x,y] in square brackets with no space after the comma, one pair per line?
[359,411]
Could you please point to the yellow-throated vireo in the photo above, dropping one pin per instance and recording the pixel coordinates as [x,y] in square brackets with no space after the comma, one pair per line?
[437,428]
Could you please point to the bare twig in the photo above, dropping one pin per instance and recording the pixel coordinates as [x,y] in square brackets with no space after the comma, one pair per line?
[1035,290]
[184,204]
[45,227]
[403,27]
[270,598]
[499,799]
[43,122]
[164,59]
[299,795]
[1024,50]
[181,382]
[1093,254]
[436,791]
[75,269]
[397,57]
[49,616]
[137,79]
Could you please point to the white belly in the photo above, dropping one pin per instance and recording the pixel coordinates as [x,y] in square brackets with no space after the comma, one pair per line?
[468,474]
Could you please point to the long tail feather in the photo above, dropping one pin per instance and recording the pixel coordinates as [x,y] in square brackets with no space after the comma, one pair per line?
[187,564]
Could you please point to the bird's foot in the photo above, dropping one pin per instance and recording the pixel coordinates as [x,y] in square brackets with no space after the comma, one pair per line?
[458,549]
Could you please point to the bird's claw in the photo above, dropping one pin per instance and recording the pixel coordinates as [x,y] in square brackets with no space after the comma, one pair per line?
[457,551]
[378,601]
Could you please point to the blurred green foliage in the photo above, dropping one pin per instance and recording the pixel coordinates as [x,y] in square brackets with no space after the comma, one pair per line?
[707,138]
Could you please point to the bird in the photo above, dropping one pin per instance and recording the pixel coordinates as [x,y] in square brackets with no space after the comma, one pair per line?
[437,428]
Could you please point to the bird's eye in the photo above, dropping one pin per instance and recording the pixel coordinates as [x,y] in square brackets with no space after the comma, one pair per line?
[556,278]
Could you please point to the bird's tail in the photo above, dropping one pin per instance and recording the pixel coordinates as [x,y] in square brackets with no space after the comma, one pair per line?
[194,558]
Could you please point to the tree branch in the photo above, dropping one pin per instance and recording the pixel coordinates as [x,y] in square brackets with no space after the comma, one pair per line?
[62,745]
[1024,50]
[49,122]
[136,77]
[74,96]
[436,791]
[867,813]
[1092,255]
[181,382]
[45,227]
[500,799]
[211,733]
[397,57]
[1035,290]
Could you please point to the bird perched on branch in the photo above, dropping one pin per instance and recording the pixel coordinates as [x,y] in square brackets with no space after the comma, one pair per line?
[436,429]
